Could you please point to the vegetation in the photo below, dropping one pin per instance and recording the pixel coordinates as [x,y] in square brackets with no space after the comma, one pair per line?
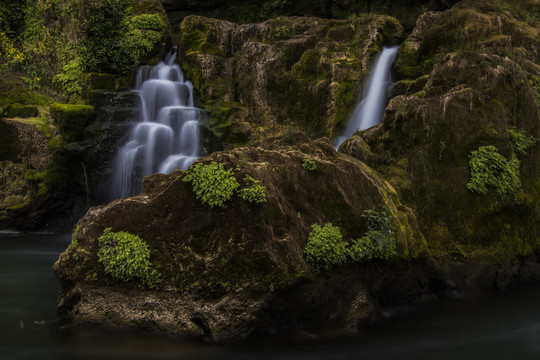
[309,164]
[212,184]
[126,257]
[378,242]
[521,141]
[326,248]
[489,169]
[253,193]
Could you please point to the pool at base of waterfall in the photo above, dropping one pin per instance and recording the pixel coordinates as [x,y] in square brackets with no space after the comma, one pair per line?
[492,327]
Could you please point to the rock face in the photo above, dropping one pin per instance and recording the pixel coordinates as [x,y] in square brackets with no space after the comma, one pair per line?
[284,75]
[227,272]
[467,80]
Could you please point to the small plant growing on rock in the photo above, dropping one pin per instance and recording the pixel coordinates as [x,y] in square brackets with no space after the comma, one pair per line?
[253,193]
[282,33]
[126,257]
[378,242]
[325,247]
[491,169]
[212,184]
[521,141]
[309,164]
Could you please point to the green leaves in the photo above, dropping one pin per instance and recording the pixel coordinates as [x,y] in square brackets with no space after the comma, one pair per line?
[326,248]
[489,169]
[521,141]
[309,164]
[126,258]
[212,184]
[254,193]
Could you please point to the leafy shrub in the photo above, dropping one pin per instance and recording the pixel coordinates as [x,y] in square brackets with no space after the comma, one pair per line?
[212,184]
[491,169]
[126,258]
[254,193]
[325,248]
[309,164]
[69,80]
[521,141]
[378,242]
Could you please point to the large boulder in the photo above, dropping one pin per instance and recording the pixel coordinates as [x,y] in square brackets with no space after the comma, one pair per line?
[229,272]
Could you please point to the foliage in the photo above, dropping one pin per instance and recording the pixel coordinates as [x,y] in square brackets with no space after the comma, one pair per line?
[69,80]
[74,242]
[253,193]
[325,248]
[521,141]
[378,242]
[491,169]
[9,54]
[309,164]
[282,33]
[126,257]
[212,184]
[147,22]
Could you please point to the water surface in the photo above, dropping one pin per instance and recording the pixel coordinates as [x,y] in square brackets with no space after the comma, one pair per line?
[505,326]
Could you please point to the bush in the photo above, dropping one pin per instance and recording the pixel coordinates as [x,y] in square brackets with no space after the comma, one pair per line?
[309,164]
[521,141]
[126,258]
[378,242]
[212,184]
[491,169]
[325,248]
[254,193]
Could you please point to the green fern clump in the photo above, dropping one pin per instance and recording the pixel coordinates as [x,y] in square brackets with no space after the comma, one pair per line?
[378,242]
[254,193]
[126,257]
[521,141]
[489,169]
[212,184]
[325,248]
[309,164]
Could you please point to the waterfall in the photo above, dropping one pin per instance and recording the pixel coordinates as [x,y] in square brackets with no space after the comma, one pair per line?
[166,135]
[370,110]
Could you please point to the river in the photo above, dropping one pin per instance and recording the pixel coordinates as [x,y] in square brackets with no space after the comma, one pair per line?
[491,327]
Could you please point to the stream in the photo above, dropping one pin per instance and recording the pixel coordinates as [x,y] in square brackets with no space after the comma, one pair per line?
[488,327]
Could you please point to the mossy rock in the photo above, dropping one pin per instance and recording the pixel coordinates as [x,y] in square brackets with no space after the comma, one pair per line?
[22,111]
[71,120]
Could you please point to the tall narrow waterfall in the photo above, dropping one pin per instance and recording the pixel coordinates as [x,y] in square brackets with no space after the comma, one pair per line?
[166,135]
[369,111]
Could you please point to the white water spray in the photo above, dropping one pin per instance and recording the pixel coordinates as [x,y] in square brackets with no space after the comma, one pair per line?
[166,136]
[369,111]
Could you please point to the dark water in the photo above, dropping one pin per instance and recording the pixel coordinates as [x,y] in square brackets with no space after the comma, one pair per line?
[497,327]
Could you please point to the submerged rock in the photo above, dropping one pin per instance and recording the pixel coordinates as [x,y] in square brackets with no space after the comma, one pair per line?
[229,272]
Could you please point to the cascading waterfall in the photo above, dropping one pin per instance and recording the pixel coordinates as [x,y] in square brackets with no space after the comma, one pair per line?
[166,136]
[369,111]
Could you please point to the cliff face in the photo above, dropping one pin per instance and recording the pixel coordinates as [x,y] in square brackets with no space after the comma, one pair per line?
[223,270]
[273,79]
[468,81]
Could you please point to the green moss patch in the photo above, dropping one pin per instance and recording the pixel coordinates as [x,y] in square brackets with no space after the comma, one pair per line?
[71,120]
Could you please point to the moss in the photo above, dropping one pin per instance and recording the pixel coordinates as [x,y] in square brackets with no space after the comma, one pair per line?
[23,111]
[71,120]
